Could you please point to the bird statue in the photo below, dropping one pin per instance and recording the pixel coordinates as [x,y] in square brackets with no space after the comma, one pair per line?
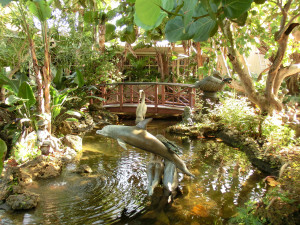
[210,86]
[141,108]
[212,83]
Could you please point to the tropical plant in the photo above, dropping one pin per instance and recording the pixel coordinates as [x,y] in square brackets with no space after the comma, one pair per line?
[21,96]
[3,150]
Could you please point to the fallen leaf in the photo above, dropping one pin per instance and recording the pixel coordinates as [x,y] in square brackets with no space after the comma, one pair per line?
[272,182]
[200,137]
[200,210]
[219,139]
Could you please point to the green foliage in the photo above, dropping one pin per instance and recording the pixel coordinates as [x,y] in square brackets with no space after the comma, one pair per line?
[40,9]
[26,92]
[246,215]
[239,115]
[190,19]
[101,68]
[3,150]
[276,133]
[21,96]
[26,148]
[139,71]
[58,98]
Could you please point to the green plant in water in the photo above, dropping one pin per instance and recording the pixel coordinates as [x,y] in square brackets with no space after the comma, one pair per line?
[246,216]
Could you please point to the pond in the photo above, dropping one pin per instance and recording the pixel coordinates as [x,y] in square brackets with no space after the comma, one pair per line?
[116,191]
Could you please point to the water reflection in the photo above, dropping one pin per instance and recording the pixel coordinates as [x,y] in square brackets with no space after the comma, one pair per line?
[116,191]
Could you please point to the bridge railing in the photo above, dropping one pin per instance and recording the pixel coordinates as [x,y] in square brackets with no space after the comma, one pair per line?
[165,94]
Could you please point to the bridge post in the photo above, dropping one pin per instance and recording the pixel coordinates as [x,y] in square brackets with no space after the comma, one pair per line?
[121,95]
[104,94]
[131,93]
[163,99]
[156,97]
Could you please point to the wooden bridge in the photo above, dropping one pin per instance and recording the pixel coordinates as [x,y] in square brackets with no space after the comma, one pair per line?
[161,98]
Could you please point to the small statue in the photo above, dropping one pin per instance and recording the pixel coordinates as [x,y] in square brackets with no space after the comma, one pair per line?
[187,116]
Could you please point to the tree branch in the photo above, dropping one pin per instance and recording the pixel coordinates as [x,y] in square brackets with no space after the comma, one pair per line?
[283,73]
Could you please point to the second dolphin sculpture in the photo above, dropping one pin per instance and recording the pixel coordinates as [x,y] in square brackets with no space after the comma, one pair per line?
[137,136]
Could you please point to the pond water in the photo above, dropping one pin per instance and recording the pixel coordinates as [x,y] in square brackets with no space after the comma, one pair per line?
[116,191]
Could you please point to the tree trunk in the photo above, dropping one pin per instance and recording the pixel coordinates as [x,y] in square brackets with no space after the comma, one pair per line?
[199,57]
[38,76]
[269,101]
[102,31]
[293,84]
[47,77]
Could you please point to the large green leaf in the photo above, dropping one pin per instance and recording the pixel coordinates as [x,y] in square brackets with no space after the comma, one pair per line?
[148,11]
[188,11]
[3,150]
[235,8]
[57,80]
[139,23]
[79,78]
[166,4]
[5,2]
[40,9]
[128,35]
[174,29]
[9,84]
[91,17]
[12,99]
[110,32]
[25,92]
[202,27]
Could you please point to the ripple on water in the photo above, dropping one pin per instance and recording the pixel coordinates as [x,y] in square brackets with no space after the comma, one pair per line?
[117,187]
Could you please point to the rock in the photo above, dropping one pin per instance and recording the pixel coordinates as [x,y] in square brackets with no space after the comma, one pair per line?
[69,155]
[95,107]
[84,169]
[73,141]
[79,126]
[23,201]
[41,167]
[101,115]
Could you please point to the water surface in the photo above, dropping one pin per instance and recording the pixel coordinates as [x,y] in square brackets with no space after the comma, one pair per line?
[116,191]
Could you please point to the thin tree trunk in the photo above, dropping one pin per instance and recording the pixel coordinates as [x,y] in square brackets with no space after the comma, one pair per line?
[39,80]
[102,31]
[199,56]
[47,77]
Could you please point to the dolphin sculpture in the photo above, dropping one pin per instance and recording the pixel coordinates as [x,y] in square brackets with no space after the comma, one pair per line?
[137,136]
[170,180]
[154,173]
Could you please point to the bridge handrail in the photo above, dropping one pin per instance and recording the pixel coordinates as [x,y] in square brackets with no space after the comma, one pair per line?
[147,83]
[157,93]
